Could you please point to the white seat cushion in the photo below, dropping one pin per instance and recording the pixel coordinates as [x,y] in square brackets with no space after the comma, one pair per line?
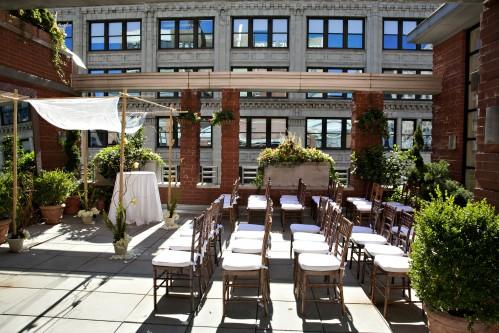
[250,227]
[363,208]
[405,208]
[242,262]
[307,236]
[318,262]
[172,259]
[249,234]
[288,198]
[291,206]
[316,199]
[179,244]
[310,247]
[252,246]
[257,205]
[257,197]
[392,203]
[352,199]
[298,227]
[380,249]
[363,239]
[392,264]
[227,202]
[358,229]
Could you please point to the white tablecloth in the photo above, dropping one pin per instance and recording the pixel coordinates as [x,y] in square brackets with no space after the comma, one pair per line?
[141,198]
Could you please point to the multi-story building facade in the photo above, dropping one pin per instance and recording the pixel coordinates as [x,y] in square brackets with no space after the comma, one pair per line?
[300,36]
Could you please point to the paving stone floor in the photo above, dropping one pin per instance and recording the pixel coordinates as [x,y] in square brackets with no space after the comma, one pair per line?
[67,283]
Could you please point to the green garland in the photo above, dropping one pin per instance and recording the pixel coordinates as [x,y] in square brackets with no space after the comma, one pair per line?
[193,117]
[45,20]
[221,116]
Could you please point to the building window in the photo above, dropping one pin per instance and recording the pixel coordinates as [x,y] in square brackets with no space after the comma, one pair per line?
[328,133]
[408,72]
[186,33]
[205,133]
[395,33]
[67,27]
[256,132]
[115,35]
[260,32]
[176,94]
[471,108]
[23,113]
[390,140]
[101,139]
[426,129]
[335,33]
[337,95]
[113,71]
[261,94]
[162,126]
[408,128]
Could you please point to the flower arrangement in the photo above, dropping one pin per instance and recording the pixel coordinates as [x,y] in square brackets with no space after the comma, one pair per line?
[171,215]
[88,213]
[192,117]
[290,151]
[221,117]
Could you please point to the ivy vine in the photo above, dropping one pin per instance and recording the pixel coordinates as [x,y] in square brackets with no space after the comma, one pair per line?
[45,20]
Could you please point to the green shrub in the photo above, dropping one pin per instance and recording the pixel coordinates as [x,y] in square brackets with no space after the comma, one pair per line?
[455,265]
[373,121]
[370,164]
[72,150]
[54,187]
[107,161]
[25,160]
[5,195]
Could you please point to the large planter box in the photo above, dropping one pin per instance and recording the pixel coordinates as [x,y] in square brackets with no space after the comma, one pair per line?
[314,175]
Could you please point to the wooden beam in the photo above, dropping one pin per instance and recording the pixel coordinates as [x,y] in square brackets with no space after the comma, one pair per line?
[259,81]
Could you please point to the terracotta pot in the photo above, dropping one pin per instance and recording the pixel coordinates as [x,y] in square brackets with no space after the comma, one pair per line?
[120,250]
[72,205]
[4,230]
[52,214]
[16,244]
[87,219]
[441,322]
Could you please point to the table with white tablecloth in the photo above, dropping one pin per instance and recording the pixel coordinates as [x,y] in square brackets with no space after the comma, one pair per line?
[141,198]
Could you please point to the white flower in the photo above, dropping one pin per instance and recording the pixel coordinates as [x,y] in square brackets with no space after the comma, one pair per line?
[136,165]
[26,234]
[133,201]
[85,213]
[95,211]
[124,241]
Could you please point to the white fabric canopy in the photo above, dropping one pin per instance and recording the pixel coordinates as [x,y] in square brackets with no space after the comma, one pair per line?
[80,113]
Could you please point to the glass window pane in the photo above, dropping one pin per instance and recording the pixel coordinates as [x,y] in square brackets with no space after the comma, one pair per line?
[97,43]
[355,27]
[348,142]
[390,27]
[186,26]
[427,138]
[260,25]
[333,135]
[240,25]
[133,28]
[389,141]
[206,26]
[260,40]
[97,139]
[354,41]
[205,40]
[167,41]
[335,41]
[240,40]
[115,43]
[133,42]
[408,26]
[314,125]
[472,125]
[205,133]
[278,131]
[115,28]
[97,29]
[474,39]
[335,26]
[406,45]
[280,26]
[279,40]
[186,41]
[314,140]
[315,40]
[390,42]
[316,26]
[167,27]
[333,125]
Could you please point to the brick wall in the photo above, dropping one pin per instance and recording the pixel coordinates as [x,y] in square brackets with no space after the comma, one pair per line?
[230,140]
[189,147]
[26,49]
[449,62]
[361,102]
[487,157]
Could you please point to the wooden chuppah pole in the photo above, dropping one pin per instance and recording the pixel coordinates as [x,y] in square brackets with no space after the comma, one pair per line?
[122,147]
[170,154]
[14,166]
[84,155]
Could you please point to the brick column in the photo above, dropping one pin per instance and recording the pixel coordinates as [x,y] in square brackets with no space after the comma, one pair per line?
[361,102]
[230,140]
[487,156]
[189,145]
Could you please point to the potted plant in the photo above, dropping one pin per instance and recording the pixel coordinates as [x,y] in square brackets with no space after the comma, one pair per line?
[120,237]
[171,215]
[373,121]
[454,265]
[89,212]
[24,213]
[72,204]
[5,205]
[52,188]
[186,118]
[223,117]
